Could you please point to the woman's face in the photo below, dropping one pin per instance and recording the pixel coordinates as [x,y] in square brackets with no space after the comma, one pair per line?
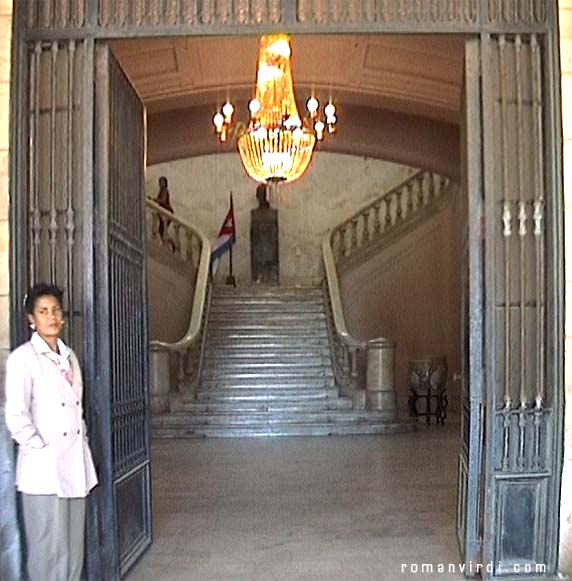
[47,317]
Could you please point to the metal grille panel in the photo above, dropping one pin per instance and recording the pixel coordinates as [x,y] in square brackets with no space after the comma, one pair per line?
[517,11]
[55,173]
[390,11]
[138,13]
[54,14]
[128,317]
[520,225]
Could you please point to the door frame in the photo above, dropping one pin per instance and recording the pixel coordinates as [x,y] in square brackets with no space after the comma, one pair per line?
[90,21]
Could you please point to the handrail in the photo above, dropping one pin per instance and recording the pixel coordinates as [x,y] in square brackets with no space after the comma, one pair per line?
[194,333]
[203,272]
[401,204]
[335,297]
[395,209]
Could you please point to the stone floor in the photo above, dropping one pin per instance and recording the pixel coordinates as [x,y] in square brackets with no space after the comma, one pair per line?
[322,508]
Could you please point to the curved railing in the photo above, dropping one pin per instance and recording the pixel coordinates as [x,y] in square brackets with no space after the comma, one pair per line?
[345,347]
[189,244]
[393,214]
[387,217]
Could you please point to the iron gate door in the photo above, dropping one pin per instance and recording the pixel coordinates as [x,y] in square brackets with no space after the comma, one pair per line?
[470,480]
[523,278]
[121,297]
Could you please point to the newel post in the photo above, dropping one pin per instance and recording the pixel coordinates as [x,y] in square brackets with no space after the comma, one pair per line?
[380,392]
[159,380]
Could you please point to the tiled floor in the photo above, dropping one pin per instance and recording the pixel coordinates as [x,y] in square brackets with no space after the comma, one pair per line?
[338,508]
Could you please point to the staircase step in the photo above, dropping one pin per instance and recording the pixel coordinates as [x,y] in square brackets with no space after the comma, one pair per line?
[292,335]
[248,342]
[307,320]
[265,395]
[286,367]
[274,385]
[178,419]
[296,326]
[248,306]
[293,429]
[259,291]
[293,406]
[264,352]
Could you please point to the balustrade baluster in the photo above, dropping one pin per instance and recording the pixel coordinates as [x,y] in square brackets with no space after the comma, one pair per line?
[365,234]
[431,186]
[336,240]
[387,214]
[354,238]
[442,185]
[195,247]
[181,371]
[398,208]
[420,191]
[176,238]
[410,200]
[343,242]
[376,220]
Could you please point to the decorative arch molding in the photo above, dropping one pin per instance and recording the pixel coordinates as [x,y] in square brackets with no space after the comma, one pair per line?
[388,135]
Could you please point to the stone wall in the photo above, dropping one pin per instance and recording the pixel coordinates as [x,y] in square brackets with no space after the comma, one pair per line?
[9,535]
[334,187]
[566,63]
[410,292]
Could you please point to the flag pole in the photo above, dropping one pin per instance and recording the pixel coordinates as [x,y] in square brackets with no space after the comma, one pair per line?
[230,280]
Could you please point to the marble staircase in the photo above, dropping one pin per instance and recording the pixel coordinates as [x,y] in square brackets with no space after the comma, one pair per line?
[267,371]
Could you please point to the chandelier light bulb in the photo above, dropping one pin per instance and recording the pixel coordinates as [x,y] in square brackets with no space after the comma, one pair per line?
[330,110]
[281,48]
[292,122]
[254,106]
[331,119]
[297,134]
[228,110]
[319,129]
[312,105]
[218,121]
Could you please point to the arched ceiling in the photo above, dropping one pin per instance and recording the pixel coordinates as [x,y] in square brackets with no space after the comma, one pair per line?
[371,78]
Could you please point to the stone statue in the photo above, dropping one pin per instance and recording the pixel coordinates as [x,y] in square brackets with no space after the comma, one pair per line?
[264,258]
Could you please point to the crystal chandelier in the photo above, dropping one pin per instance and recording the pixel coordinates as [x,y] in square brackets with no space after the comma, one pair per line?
[277,144]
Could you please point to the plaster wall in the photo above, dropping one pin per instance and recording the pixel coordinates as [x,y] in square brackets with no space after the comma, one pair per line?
[334,187]
[411,292]
[170,288]
[565,7]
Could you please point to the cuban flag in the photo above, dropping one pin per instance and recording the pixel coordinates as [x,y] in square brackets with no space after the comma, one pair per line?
[226,237]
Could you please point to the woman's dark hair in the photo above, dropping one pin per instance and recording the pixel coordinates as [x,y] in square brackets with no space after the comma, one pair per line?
[42,289]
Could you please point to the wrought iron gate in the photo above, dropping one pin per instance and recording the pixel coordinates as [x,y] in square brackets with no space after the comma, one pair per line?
[470,479]
[123,403]
[523,285]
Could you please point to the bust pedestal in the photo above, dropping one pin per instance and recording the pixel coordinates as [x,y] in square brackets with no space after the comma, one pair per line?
[264,258]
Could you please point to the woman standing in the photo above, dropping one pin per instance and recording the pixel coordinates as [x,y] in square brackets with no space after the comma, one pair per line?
[164,200]
[55,471]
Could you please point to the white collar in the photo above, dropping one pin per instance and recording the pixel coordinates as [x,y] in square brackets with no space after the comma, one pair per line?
[42,347]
